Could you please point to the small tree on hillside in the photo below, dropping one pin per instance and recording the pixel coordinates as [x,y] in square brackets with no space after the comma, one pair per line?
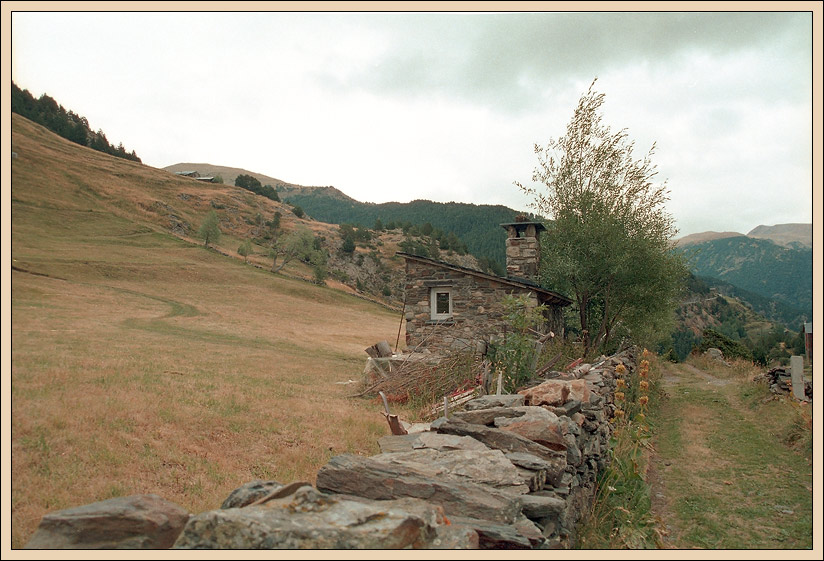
[210,230]
[274,223]
[348,245]
[609,242]
[245,250]
[270,193]
[248,182]
[298,244]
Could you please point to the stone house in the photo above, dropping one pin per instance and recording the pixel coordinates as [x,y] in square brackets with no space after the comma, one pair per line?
[449,307]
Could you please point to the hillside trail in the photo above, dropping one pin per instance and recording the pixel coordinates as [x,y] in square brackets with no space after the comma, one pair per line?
[708,470]
[660,505]
[680,375]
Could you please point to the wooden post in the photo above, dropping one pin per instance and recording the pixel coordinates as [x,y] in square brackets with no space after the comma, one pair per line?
[486,382]
[400,325]
[500,382]
[394,422]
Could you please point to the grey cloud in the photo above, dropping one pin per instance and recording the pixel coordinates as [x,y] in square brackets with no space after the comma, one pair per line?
[500,59]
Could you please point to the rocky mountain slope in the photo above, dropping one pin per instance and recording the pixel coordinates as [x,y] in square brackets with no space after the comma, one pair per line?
[782,274]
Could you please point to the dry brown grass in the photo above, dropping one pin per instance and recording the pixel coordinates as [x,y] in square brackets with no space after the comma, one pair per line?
[146,364]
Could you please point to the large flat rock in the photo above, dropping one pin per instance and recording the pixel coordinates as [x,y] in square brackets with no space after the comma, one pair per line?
[538,425]
[487,466]
[433,440]
[509,442]
[488,401]
[309,519]
[366,477]
[133,522]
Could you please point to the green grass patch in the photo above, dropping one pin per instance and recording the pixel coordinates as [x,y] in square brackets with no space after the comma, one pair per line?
[731,479]
[621,516]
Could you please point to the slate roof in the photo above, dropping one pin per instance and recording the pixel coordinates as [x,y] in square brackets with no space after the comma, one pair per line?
[518,282]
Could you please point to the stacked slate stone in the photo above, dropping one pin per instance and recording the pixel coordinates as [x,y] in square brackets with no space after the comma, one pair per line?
[511,471]
[519,470]
[780,381]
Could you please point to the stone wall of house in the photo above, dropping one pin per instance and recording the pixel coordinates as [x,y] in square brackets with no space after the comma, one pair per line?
[509,471]
[477,313]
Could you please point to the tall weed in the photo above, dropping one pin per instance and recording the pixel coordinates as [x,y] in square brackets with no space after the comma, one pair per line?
[516,353]
[621,514]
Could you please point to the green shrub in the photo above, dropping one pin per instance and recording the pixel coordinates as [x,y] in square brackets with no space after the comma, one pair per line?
[515,353]
[731,349]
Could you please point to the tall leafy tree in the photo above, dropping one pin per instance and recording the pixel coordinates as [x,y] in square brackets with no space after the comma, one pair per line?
[609,242]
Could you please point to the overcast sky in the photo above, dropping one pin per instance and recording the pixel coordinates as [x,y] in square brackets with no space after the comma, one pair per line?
[446,106]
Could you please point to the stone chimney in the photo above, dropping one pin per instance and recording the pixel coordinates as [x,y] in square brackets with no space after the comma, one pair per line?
[523,250]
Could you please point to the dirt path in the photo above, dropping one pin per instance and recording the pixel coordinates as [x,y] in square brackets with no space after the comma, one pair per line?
[658,493]
[720,475]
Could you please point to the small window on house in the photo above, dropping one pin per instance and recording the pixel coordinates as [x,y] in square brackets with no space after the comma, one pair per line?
[441,303]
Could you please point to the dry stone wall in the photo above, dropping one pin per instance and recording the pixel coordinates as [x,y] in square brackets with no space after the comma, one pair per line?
[509,471]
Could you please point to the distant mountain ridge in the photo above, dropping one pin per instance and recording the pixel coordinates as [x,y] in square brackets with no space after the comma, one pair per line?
[229,174]
[787,235]
[702,237]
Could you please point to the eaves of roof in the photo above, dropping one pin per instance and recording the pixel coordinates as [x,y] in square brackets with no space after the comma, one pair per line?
[550,296]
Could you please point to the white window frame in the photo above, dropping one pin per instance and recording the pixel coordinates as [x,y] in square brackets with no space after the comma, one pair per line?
[433,303]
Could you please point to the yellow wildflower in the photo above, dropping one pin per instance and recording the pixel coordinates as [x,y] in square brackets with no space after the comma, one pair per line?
[619,396]
[643,400]
[620,383]
[620,369]
[619,413]
[644,385]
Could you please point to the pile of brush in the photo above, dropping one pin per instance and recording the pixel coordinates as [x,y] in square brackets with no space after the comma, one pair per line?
[425,380]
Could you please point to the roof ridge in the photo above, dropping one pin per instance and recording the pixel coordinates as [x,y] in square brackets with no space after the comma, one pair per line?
[518,281]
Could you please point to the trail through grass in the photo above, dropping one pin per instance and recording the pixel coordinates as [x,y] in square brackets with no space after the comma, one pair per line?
[733,464]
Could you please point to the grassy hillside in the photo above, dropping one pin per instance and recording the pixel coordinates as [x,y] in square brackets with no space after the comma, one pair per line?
[144,363]
[478,226]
